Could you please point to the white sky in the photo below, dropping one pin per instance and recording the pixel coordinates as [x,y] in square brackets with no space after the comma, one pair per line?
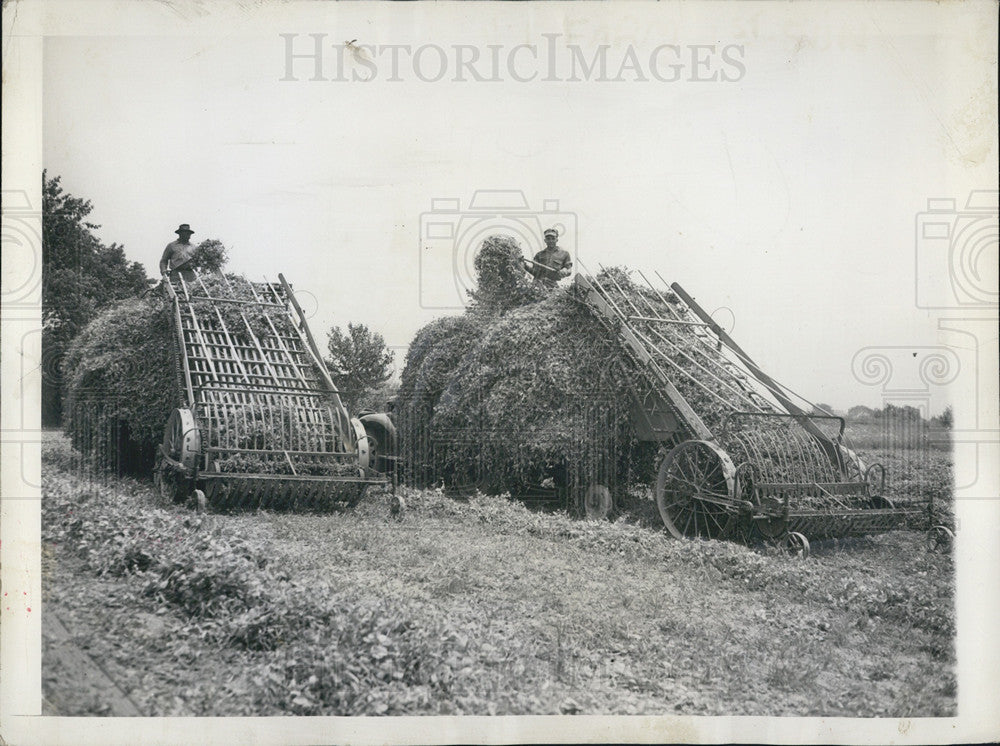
[789,197]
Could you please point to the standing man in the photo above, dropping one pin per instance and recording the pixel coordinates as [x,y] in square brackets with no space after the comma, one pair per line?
[551,264]
[178,254]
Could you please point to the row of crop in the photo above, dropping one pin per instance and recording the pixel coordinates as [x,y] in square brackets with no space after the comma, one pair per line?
[927,603]
[315,652]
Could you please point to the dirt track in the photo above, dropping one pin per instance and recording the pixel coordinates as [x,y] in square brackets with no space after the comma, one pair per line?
[75,683]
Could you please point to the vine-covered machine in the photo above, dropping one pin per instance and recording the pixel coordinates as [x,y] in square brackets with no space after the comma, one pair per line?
[742,460]
[260,423]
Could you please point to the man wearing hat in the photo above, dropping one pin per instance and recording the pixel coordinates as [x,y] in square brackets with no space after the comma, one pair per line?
[178,254]
[551,264]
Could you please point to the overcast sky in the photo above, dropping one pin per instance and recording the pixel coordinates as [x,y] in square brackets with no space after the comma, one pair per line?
[786,190]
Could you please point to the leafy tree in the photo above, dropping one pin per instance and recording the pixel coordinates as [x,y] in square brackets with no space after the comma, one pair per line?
[359,361]
[905,413]
[379,399]
[944,420]
[823,409]
[861,413]
[80,276]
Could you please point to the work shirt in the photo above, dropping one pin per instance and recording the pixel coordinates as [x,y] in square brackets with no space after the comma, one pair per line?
[556,258]
[176,255]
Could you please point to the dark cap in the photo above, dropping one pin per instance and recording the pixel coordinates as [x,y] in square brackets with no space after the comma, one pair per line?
[185,228]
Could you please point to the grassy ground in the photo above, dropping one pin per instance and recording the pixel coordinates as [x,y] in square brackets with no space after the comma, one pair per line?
[478,607]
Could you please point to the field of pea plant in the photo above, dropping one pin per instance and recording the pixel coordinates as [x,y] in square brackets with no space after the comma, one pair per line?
[477,606]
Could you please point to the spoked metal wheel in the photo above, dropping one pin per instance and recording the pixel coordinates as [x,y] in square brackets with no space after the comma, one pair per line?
[746,476]
[797,545]
[874,475]
[940,539]
[694,490]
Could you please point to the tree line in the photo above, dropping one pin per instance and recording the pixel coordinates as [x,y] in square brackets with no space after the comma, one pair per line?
[82,276]
[861,414]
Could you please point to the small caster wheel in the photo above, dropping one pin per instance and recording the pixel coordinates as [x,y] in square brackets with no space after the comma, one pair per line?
[940,539]
[201,501]
[597,502]
[397,507]
[797,545]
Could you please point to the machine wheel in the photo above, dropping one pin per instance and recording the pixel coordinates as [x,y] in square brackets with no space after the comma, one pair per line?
[747,474]
[201,502]
[797,545]
[597,502]
[875,477]
[382,440]
[881,503]
[940,539]
[694,490]
[181,446]
[362,443]
[181,438]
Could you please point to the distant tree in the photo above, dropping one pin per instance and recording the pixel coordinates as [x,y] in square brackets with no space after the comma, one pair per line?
[905,413]
[944,420]
[861,414]
[379,399]
[359,361]
[823,409]
[80,276]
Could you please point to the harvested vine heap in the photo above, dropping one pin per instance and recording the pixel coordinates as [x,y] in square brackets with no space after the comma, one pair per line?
[236,317]
[527,384]
[120,368]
